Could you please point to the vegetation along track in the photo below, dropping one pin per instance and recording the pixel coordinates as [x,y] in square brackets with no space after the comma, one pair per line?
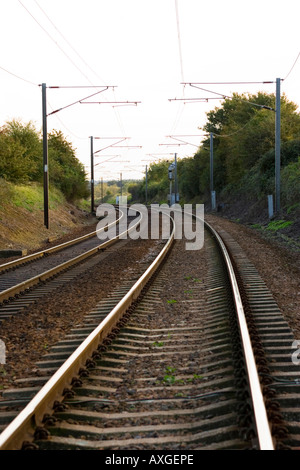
[164,369]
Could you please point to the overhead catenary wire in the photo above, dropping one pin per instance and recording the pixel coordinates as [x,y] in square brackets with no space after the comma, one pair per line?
[48,103]
[223,96]
[64,125]
[180,108]
[233,83]
[117,115]
[233,133]
[60,28]
[18,76]
[68,42]
[293,66]
[78,101]
[65,53]
[53,40]
[179,39]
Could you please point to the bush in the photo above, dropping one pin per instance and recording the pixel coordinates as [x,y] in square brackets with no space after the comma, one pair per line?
[290,183]
[21,159]
[65,170]
[5,191]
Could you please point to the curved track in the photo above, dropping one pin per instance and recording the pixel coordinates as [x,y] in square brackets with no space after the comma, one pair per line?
[110,383]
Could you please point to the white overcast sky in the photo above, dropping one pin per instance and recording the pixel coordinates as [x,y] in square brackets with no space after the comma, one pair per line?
[146,49]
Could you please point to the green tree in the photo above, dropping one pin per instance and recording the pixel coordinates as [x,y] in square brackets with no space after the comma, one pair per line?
[290,183]
[30,139]
[65,170]
[134,191]
[20,152]
[244,129]
[13,164]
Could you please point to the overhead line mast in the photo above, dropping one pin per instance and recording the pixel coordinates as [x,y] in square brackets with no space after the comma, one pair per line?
[277,111]
[45,137]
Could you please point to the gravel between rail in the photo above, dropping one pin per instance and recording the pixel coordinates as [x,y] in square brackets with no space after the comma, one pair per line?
[29,335]
[277,265]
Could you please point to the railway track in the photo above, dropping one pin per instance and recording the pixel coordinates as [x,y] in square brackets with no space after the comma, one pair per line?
[24,261]
[67,260]
[167,363]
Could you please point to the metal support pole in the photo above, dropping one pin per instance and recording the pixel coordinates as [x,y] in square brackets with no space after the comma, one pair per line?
[212,192]
[146,185]
[277,147]
[45,157]
[92,175]
[170,175]
[270,206]
[175,179]
[211,162]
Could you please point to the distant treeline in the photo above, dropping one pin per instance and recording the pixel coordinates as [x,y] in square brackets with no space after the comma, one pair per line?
[244,157]
[21,159]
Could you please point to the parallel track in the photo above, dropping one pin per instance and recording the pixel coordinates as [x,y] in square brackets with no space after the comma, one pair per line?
[214,414]
[276,350]
[14,287]
[5,267]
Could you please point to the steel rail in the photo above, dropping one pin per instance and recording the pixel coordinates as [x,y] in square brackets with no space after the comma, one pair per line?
[54,249]
[262,424]
[22,286]
[43,401]
[22,427]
